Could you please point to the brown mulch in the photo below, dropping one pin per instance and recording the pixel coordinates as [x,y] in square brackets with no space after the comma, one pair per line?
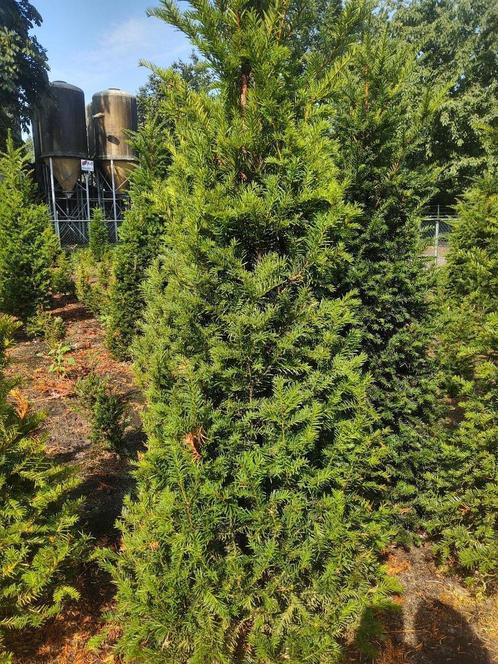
[437,620]
[66,427]
[105,478]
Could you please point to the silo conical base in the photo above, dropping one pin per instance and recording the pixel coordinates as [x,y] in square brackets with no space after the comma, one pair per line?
[122,171]
[66,172]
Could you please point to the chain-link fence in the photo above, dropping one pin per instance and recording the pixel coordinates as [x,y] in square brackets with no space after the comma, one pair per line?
[75,231]
[436,227]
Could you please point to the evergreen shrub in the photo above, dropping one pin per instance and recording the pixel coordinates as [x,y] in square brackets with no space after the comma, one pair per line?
[460,474]
[382,120]
[107,411]
[257,524]
[62,281]
[94,280]
[28,246]
[40,548]
[45,324]
[98,232]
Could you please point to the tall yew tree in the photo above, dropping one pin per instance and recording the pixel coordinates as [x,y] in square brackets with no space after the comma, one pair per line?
[382,120]
[28,244]
[253,536]
[460,473]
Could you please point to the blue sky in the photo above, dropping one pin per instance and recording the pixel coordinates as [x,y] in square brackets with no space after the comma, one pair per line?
[96,44]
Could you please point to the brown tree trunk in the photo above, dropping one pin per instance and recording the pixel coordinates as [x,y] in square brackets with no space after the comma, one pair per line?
[244,84]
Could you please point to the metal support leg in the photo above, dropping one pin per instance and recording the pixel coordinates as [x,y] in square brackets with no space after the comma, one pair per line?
[114,203]
[87,203]
[54,205]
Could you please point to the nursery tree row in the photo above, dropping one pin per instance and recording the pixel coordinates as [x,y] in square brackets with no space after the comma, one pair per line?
[315,390]
[292,344]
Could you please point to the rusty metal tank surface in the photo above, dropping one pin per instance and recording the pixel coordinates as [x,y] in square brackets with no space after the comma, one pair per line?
[59,129]
[90,130]
[114,113]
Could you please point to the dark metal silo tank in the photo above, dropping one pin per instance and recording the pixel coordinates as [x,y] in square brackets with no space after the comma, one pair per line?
[59,129]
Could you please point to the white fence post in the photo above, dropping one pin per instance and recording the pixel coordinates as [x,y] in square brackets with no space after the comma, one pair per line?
[436,239]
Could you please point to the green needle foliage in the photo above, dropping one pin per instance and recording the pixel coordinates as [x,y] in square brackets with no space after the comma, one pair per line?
[106,410]
[457,45]
[38,542]
[253,536]
[383,120]
[169,106]
[177,109]
[98,231]
[461,475]
[28,246]
[140,236]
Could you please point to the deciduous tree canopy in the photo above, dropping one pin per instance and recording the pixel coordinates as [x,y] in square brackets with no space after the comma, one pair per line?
[23,66]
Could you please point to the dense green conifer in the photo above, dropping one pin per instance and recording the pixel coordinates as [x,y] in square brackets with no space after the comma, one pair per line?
[253,536]
[382,120]
[460,477]
[98,235]
[168,102]
[38,542]
[28,245]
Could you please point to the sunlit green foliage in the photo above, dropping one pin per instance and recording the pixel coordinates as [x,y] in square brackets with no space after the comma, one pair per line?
[258,521]
[98,235]
[28,246]
[39,547]
[461,474]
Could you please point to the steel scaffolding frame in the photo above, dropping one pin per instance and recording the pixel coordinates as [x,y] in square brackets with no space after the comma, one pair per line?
[71,214]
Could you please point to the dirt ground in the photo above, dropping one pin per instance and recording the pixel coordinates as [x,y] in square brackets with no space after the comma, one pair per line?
[105,477]
[436,620]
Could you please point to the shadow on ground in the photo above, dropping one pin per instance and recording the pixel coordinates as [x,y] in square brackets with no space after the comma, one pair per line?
[445,637]
[440,635]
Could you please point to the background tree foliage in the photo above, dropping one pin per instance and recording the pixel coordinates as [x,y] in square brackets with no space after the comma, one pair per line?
[193,71]
[23,66]
[253,536]
[457,46]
